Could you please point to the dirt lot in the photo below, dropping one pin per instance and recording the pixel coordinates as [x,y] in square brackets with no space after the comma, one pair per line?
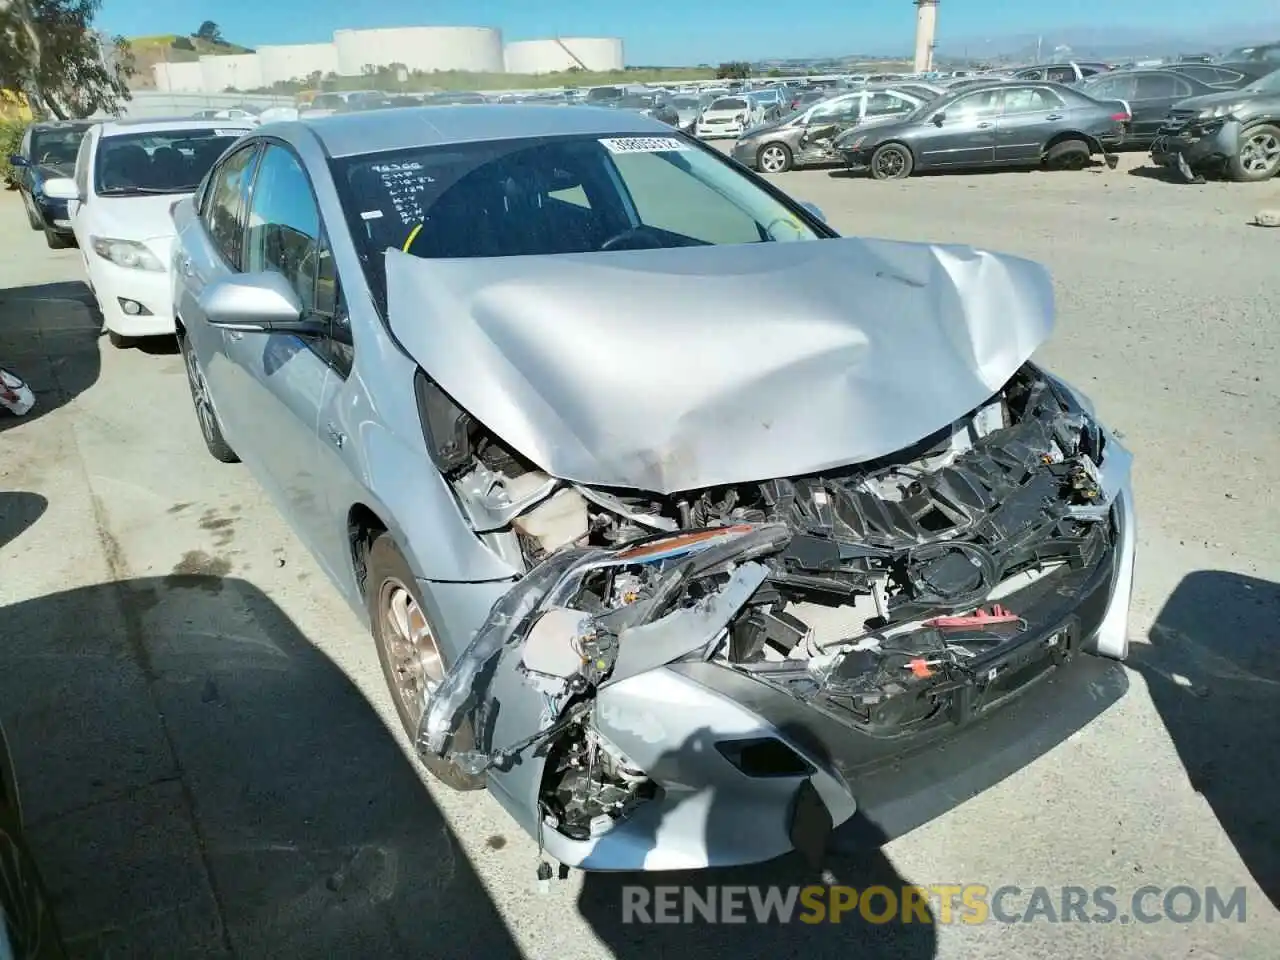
[205,741]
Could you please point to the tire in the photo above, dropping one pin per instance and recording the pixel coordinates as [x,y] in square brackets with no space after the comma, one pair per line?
[891,161]
[206,416]
[1259,156]
[1068,155]
[774,158]
[408,649]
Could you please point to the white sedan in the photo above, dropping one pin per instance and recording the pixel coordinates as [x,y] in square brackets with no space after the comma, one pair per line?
[729,117]
[129,174]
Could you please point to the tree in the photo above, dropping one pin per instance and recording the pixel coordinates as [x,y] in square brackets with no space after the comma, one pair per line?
[50,52]
[735,70]
[210,32]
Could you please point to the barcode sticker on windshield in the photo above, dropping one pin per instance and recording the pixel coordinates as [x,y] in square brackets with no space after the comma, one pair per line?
[642,144]
[229,133]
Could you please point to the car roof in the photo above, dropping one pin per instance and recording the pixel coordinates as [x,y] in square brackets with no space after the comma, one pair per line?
[402,128]
[63,124]
[161,124]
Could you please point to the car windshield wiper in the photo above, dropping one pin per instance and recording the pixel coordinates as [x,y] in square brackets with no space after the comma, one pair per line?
[127,191]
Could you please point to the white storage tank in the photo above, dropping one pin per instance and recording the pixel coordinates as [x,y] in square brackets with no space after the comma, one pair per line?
[596,54]
[241,71]
[474,49]
[296,61]
[184,77]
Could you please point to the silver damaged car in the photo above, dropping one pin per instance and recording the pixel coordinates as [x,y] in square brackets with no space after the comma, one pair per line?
[671,511]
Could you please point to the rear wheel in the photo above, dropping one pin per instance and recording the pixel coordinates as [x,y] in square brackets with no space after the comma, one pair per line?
[1259,156]
[210,428]
[891,161]
[408,650]
[1068,155]
[774,158]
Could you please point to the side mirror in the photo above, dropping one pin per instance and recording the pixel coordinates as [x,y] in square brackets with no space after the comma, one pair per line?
[61,188]
[938,118]
[257,303]
[17,160]
[814,209]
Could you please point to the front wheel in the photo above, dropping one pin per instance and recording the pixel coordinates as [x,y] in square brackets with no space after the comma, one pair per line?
[1259,156]
[33,213]
[891,161]
[409,650]
[210,428]
[774,158]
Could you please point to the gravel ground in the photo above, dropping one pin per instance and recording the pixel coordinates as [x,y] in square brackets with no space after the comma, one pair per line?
[207,750]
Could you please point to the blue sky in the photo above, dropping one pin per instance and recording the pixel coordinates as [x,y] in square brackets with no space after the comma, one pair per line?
[683,31]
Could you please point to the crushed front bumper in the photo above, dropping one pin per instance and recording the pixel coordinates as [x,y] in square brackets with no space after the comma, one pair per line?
[1199,144]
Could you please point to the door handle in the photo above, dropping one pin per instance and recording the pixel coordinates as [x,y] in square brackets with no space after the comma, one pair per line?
[336,436]
[984,125]
[1054,116]
[235,334]
[188,268]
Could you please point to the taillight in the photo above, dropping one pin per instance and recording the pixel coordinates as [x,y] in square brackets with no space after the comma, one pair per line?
[1121,117]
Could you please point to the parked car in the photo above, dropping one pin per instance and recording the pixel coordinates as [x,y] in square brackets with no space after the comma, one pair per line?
[729,117]
[48,151]
[1262,52]
[582,593]
[28,928]
[1006,124]
[1149,94]
[128,175]
[1236,133]
[239,114]
[649,105]
[687,110]
[807,98]
[805,137]
[1069,72]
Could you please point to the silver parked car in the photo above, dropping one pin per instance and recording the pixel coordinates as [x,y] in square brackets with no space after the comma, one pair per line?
[671,511]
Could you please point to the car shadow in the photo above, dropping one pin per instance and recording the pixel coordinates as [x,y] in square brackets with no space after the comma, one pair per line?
[1162,174]
[49,338]
[200,780]
[1092,166]
[19,511]
[1213,671]
[640,915]
[166,346]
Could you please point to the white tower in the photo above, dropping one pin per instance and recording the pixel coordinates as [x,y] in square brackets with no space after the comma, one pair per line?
[926,28]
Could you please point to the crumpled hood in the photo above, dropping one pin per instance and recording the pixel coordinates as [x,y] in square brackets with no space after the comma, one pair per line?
[676,369]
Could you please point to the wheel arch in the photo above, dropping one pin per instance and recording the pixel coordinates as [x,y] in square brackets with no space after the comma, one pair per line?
[1094,143]
[364,526]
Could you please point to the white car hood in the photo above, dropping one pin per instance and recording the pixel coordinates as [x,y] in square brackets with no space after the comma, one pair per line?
[677,369]
[135,218]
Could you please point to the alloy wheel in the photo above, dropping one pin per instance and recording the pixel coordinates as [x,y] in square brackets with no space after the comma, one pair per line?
[773,159]
[411,647]
[200,395]
[1260,152]
[890,163]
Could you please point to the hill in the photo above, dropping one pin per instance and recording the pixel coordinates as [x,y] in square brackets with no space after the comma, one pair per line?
[173,48]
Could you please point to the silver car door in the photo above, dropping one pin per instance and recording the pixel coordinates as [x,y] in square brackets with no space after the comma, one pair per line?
[209,250]
[282,376]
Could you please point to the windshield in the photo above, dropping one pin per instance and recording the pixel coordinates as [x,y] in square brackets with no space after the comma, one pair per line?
[58,146]
[685,103]
[604,93]
[162,161]
[637,100]
[729,103]
[1267,84]
[540,196]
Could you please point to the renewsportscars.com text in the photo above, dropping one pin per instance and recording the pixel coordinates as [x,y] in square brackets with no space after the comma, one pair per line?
[969,904]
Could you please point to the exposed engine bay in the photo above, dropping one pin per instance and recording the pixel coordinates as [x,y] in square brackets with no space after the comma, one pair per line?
[873,593]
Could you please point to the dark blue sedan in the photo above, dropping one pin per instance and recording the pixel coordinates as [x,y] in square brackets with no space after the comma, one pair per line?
[48,151]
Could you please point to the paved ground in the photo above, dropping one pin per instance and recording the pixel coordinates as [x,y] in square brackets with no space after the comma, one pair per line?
[205,742]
